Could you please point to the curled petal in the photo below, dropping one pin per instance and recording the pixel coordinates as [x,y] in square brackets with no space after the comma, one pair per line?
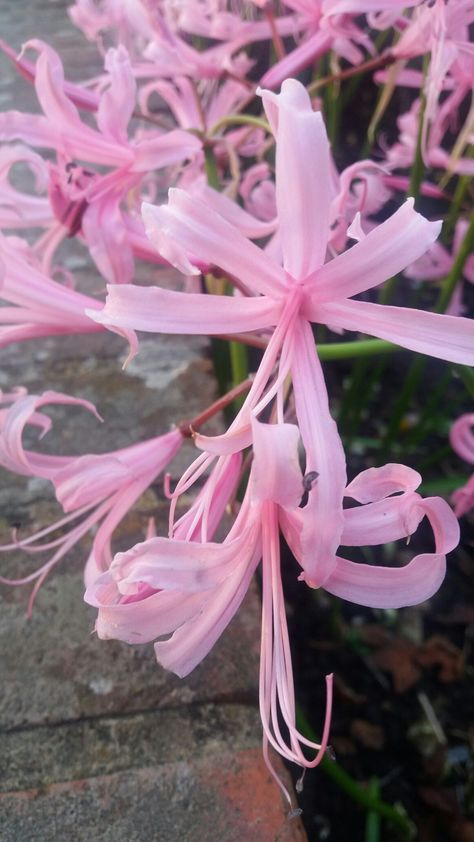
[142,617]
[12,453]
[376,483]
[194,639]
[385,587]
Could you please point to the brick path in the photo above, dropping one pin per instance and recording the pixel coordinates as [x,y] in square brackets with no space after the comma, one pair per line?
[97,742]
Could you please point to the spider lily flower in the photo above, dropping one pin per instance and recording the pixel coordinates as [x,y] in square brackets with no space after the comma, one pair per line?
[461,437]
[305,289]
[91,201]
[200,585]
[96,490]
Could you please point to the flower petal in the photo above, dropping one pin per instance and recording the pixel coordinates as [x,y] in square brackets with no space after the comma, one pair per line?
[445,337]
[140,619]
[206,236]
[276,474]
[382,253]
[303,178]
[387,587]
[376,483]
[323,519]
[195,638]
[157,310]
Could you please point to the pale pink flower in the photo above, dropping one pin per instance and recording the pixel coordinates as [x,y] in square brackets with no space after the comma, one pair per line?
[95,490]
[461,437]
[92,201]
[193,590]
[291,296]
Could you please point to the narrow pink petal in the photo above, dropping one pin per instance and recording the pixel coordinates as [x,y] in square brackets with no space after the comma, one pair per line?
[205,235]
[12,454]
[385,587]
[195,638]
[376,483]
[89,479]
[297,59]
[303,179]
[117,102]
[164,563]
[157,310]
[247,224]
[170,148]
[141,619]
[107,238]
[381,522]
[49,84]
[276,473]
[323,518]
[448,338]
[384,252]
[461,437]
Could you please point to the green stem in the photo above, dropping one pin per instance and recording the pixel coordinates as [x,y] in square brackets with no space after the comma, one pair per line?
[240,120]
[350,786]
[239,367]
[210,165]
[372,824]
[449,284]
[462,186]
[358,348]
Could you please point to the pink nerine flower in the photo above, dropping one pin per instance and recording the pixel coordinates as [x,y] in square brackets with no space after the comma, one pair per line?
[193,590]
[97,489]
[88,200]
[288,297]
[461,437]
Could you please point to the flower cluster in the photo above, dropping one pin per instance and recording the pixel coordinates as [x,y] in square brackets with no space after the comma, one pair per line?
[274,243]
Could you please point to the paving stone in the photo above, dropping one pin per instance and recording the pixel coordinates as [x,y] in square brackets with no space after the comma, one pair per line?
[228,797]
[54,669]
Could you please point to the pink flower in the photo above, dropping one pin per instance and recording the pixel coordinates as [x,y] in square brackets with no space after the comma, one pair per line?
[289,297]
[461,437]
[98,489]
[91,202]
[192,590]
